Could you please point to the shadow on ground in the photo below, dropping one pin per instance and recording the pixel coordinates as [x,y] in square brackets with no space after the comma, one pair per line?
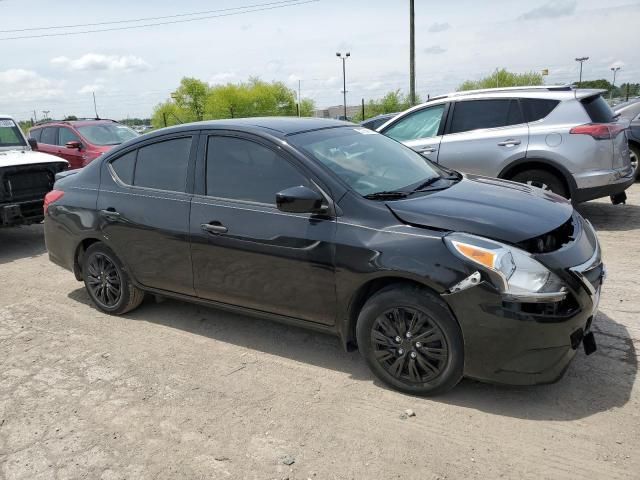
[21,242]
[612,218]
[593,384]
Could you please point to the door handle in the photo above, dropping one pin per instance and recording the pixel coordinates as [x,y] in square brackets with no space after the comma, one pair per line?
[426,149]
[509,143]
[110,213]
[214,227]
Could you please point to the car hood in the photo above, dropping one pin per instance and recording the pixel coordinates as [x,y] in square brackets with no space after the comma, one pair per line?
[15,158]
[497,209]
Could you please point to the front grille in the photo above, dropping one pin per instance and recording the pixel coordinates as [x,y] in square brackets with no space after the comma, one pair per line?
[28,185]
[552,240]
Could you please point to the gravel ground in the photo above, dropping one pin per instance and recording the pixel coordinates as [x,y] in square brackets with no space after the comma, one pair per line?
[174,390]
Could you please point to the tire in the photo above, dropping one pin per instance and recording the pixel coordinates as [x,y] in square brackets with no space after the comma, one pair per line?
[101,271]
[384,315]
[542,179]
[635,155]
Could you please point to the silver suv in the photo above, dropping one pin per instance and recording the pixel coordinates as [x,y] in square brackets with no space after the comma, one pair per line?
[558,138]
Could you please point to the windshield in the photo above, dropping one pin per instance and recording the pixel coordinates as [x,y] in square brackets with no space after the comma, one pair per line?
[365,160]
[10,135]
[107,133]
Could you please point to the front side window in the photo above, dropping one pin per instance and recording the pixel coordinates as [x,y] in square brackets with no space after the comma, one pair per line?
[50,136]
[107,133]
[163,165]
[240,169]
[479,114]
[67,135]
[365,160]
[10,135]
[421,124]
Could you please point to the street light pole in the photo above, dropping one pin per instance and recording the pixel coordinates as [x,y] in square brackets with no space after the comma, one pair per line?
[581,60]
[344,79]
[613,85]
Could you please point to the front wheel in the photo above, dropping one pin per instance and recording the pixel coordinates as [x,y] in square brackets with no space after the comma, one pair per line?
[107,282]
[411,341]
[542,179]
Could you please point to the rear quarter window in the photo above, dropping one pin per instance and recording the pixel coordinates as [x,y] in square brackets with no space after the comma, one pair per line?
[124,167]
[36,133]
[598,109]
[537,108]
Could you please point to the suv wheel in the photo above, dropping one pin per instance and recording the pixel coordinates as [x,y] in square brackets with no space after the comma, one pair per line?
[107,282]
[411,341]
[634,153]
[542,179]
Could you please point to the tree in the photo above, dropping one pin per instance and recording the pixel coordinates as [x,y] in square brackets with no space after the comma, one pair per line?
[504,78]
[191,96]
[393,101]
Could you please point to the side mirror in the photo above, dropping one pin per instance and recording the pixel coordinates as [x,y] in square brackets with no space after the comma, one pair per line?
[33,143]
[73,144]
[300,200]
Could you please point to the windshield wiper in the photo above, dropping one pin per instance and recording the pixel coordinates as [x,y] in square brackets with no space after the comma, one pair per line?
[386,195]
[426,183]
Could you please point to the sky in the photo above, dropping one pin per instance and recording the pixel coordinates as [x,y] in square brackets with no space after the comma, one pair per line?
[131,70]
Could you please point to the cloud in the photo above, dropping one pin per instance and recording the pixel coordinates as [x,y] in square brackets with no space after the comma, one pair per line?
[438,27]
[27,85]
[222,78]
[434,50]
[373,86]
[98,61]
[617,64]
[91,88]
[552,9]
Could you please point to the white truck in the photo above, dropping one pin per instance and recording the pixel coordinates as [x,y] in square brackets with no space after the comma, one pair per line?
[26,176]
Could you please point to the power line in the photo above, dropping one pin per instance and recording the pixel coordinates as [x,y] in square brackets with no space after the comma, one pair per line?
[144,19]
[131,27]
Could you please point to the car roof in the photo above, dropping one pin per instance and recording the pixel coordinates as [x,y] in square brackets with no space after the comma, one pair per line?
[75,123]
[278,126]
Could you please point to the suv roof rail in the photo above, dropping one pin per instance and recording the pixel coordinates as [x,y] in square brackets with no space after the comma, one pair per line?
[549,88]
[79,119]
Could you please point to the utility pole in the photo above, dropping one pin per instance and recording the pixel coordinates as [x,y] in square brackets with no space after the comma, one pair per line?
[344,79]
[363,109]
[164,118]
[35,116]
[95,108]
[299,101]
[581,60]
[613,85]
[412,54]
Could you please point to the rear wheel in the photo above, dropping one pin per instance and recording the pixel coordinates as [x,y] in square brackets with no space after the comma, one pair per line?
[634,153]
[542,179]
[411,341]
[107,282]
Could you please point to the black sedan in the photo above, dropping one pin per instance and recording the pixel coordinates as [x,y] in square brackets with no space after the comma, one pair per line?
[431,274]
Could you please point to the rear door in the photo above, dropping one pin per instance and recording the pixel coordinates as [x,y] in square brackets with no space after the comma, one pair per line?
[482,136]
[49,141]
[420,130]
[144,205]
[72,155]
[247,252]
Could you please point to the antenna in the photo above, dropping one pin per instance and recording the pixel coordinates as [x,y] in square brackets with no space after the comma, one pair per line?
[95,108]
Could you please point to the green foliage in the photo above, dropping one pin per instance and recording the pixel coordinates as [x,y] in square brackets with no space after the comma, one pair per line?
[619,91]
[503,78]
[195,100]
[600,83]
[394,101]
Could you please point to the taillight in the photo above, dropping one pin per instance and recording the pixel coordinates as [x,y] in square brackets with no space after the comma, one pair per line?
[599,131]
[52,196]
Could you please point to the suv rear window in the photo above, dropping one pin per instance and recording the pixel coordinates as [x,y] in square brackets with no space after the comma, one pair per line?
[598,109]
[537,108]
[477,114]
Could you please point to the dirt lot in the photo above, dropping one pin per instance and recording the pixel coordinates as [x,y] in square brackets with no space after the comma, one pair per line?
[181,391]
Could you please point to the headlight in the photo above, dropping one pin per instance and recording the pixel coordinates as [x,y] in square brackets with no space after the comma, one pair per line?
[514,271]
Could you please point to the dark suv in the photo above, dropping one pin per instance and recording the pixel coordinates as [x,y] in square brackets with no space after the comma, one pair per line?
[431,274]
[79,141]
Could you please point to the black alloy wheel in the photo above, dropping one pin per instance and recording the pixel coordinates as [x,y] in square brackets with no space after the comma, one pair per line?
[408,345]
[103,280]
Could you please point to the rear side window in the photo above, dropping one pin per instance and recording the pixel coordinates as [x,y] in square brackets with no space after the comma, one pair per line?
[244,170]
[124,167]
[163,165]
[50,135]
[537,108]
[598,109]
[479,114]
[36,133]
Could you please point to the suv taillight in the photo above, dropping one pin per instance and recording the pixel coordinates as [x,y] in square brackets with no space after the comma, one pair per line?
[599,131]
[51,197]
